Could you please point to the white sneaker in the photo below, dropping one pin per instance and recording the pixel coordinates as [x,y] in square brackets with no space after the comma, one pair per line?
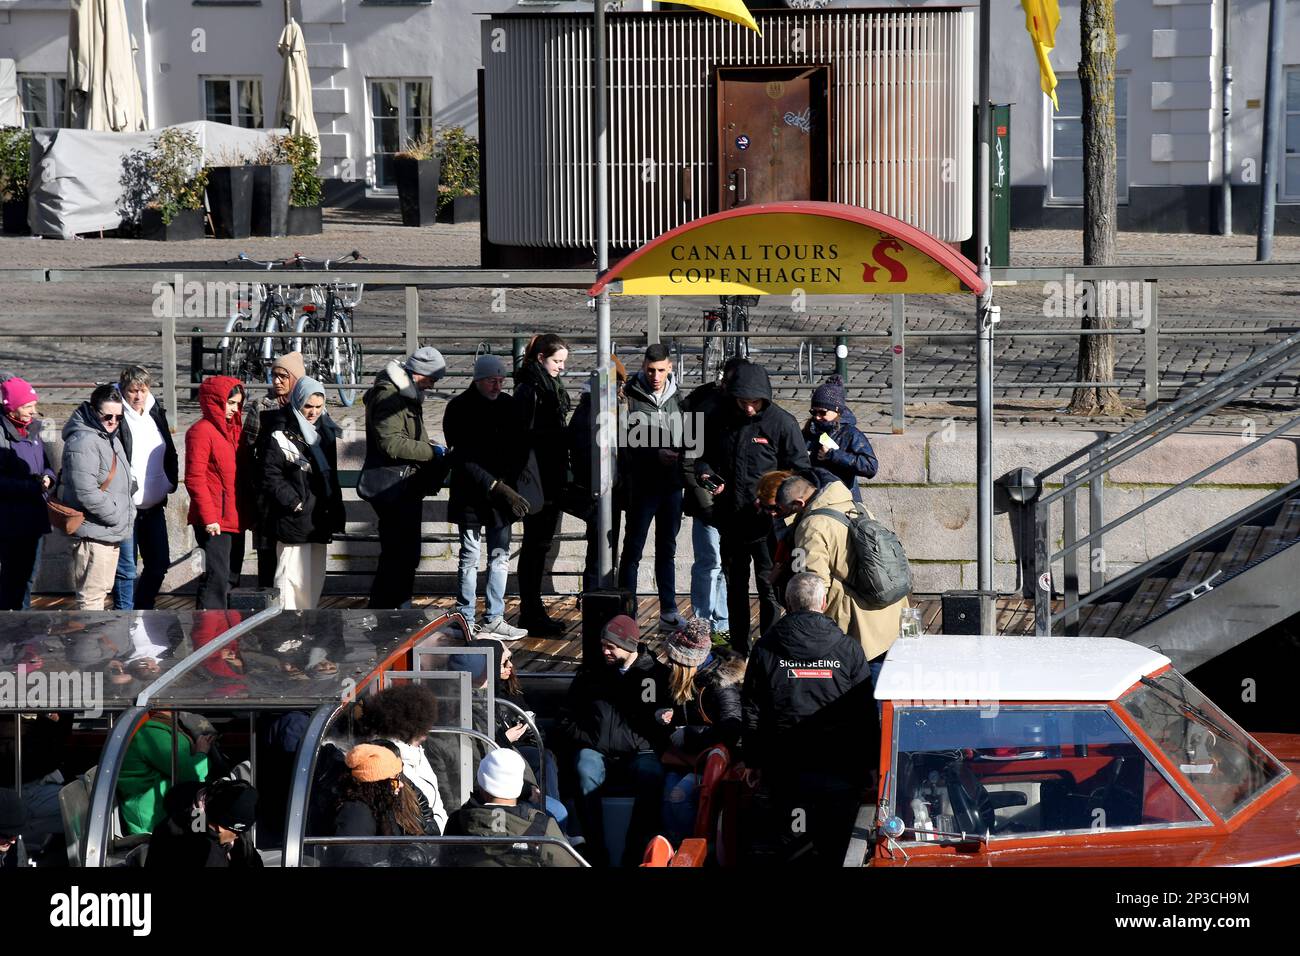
[672,621]
[498,628]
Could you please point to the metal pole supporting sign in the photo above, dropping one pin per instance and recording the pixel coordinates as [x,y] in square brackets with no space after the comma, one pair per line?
[603,451]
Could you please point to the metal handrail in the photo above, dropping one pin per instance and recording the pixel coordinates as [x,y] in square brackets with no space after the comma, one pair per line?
[1107,453]
[557,842]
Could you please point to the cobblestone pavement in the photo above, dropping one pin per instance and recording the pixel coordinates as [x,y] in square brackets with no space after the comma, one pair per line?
[46,325]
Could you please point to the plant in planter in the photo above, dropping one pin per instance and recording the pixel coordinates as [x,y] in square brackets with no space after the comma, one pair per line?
[416,169]
[163,187]
[305,190]
[230,194]
[272,183]
[458,190]
[15,170]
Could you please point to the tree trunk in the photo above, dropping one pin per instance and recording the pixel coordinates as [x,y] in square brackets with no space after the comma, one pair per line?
[1097,81]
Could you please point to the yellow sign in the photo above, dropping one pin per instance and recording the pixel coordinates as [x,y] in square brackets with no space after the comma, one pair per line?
[778,252]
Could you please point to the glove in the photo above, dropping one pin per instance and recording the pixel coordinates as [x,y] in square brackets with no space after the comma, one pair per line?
[438,450]
[518,504]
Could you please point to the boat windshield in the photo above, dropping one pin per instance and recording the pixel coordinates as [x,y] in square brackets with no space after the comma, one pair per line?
[1219,759]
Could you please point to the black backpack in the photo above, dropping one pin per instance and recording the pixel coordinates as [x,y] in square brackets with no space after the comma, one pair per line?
[878,568]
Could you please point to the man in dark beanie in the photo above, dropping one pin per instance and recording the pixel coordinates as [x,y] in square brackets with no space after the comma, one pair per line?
[402,466]
[206,826]
[834,443]
[746,438]
[608,719]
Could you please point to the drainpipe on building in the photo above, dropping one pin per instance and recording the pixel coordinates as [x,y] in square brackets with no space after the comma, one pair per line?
[1225,203]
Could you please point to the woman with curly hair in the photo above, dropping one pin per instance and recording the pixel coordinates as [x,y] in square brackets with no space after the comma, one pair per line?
[375,799]
[402,715]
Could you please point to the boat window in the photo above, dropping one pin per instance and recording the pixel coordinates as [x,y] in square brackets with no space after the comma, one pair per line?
[1021,771]
[1219,759]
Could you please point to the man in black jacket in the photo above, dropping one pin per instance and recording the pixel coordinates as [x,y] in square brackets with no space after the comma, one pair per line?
[743,441]
[613,717]
[653,478]
[206,826]
[810,726]
[483,435]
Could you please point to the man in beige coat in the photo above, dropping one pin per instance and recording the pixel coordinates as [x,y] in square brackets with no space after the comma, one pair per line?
[820,544]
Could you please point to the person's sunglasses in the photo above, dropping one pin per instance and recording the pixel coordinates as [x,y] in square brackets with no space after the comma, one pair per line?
[110,418]
[772,509]
[820,412]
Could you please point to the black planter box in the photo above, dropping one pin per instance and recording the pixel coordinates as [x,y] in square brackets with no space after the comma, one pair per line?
[13,214]
[304,221]
[417,190]
[230,200]
[460,209]
[187,225]
[271,186]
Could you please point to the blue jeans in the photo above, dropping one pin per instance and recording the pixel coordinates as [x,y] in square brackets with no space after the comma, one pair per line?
[663,506]
[643,775]
[553,804]
[471,546]
[681,803]
[150,540]
[708,583]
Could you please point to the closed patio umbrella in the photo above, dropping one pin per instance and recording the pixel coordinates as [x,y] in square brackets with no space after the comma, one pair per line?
[103,86]
[295,109]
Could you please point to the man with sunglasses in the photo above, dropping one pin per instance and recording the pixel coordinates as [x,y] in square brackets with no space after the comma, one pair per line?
[96,480]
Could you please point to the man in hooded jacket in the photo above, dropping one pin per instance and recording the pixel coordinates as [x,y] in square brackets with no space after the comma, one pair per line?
[744,439]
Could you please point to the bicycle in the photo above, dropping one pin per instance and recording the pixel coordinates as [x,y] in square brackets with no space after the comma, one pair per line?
[247,358]
[336,359]
[732,315]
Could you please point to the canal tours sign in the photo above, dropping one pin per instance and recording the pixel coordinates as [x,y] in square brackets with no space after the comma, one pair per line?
[778,248]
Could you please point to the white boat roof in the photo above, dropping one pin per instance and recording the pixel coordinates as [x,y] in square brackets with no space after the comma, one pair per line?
[941,667]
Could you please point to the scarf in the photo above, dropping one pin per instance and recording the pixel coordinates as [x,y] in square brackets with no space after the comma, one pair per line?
[553,385]
[19,426]
[302,390]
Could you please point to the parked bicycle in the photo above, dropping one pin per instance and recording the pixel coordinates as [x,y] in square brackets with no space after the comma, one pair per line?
[732,315]
[249,357]
[338,358]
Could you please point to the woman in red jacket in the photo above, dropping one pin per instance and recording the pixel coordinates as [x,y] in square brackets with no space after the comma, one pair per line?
[210,447]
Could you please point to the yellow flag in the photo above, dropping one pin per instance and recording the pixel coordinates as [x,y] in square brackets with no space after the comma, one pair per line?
[733,10]
[1042,17]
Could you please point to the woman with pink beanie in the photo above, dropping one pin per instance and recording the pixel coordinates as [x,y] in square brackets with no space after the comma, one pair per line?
[25,476]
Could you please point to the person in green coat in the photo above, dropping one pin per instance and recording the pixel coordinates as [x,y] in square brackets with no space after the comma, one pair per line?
[146,771]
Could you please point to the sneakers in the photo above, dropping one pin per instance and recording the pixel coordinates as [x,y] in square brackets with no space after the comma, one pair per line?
[498,628]
[671,621]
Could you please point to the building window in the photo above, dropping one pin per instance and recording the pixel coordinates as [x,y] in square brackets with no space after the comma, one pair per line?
[400,111]
[1291,164]
[41,96]
[235,100]
[1065,142]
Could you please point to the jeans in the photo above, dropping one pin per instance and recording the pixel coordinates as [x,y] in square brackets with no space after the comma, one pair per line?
[400,535]
[663,506]
[708,583]
[36,567]
[19,557]
[223,556]
[737,555]
[641,773]
[552,789]
[150,540]
[539,535]
[681,803]
[498,543]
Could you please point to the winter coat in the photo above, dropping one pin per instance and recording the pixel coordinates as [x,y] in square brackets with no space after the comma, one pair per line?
[477,818]
[23,462]
[88,455]
[146,772]
[417,769]
[826,553]
[176,846]
[158,416]
[853,459]
[807,699]
[484,441]
[541,412]
[300,503]
[704,402]
[248,471]
[211,446]
[395,432]
[355,819]
[607,710]
[740,450]
[714,715]
[654,422]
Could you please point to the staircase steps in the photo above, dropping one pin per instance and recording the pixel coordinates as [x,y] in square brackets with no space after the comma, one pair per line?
[1139,608]
[1097,618]
[1238,550]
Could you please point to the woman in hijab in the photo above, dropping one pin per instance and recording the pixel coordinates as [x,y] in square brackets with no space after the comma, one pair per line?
[300,491]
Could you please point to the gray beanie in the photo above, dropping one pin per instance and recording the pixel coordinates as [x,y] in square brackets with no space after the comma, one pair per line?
[427,361]
[489,366]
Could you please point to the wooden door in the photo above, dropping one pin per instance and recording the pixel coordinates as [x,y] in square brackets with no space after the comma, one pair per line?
[773,135]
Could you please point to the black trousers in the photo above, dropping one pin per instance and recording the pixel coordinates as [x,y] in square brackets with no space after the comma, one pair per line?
[17,560]
[400,536]
[539,534]
[738,554]
[223,556]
